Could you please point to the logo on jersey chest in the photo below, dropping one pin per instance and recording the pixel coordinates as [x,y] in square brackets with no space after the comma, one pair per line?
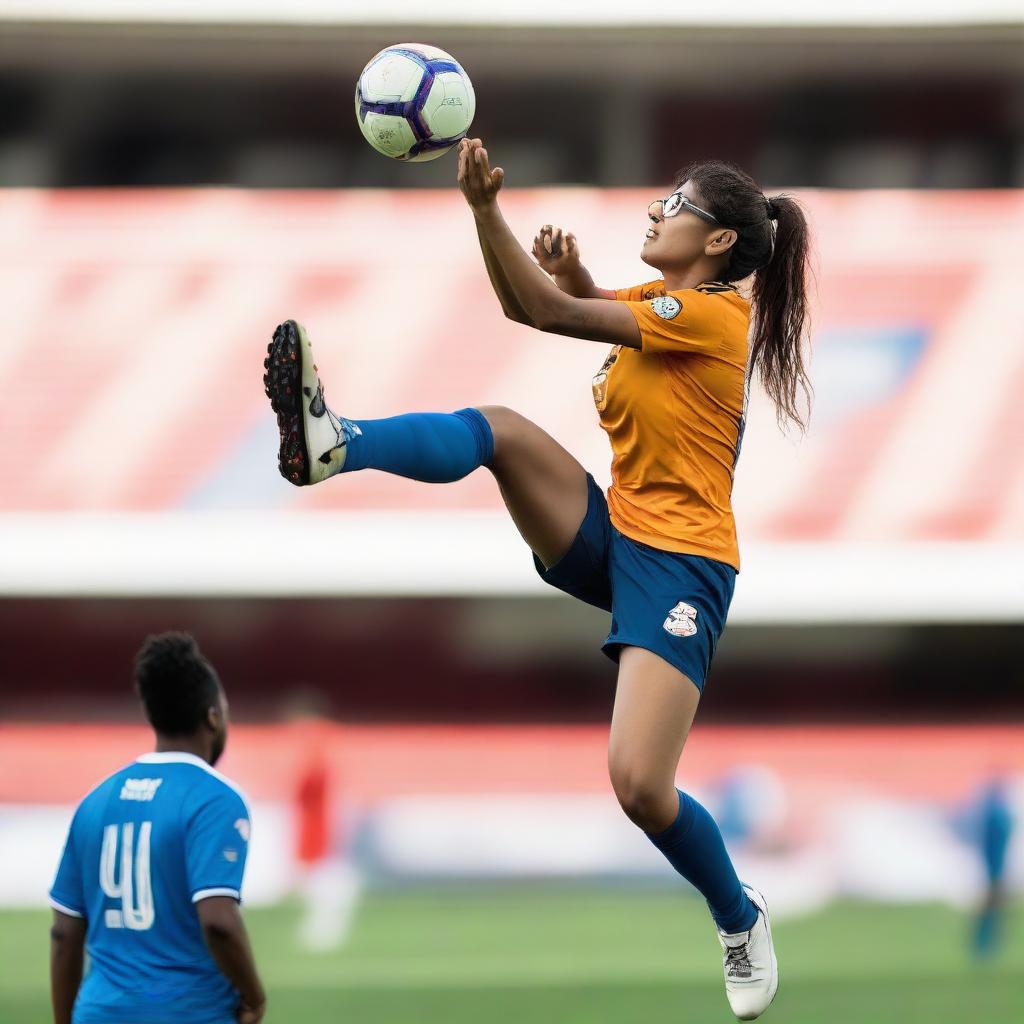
[600,382]
[682,620]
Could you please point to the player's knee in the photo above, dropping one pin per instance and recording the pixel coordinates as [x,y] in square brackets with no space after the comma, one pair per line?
[507,426]
[642,795]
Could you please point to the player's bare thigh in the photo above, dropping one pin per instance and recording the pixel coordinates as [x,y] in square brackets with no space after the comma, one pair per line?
[544,487]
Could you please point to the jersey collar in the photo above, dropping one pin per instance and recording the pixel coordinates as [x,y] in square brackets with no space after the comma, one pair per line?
[173,757]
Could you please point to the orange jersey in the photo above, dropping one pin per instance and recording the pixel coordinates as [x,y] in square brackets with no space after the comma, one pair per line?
[673,411]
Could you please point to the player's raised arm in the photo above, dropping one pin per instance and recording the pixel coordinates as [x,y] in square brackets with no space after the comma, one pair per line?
[558,254]
[546,306]
[67,955]
[228,942]
[510,305]
[484,189]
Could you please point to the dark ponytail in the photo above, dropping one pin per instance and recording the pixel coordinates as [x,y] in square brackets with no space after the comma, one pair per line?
[773,245]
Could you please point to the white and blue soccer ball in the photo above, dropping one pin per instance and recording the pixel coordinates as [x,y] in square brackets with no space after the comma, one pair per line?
[414,102]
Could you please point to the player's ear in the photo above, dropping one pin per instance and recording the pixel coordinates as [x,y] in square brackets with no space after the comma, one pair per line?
[215,717]
[721,242]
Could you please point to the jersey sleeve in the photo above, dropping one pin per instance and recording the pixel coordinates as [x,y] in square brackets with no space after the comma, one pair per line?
[67,892]
[639,292]
[216,846]
[689,321]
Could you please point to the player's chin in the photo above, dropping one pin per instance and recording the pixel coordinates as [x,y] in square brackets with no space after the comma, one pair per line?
[647,254]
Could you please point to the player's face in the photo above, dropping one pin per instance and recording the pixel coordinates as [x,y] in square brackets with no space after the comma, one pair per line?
[679,240]
[219,724]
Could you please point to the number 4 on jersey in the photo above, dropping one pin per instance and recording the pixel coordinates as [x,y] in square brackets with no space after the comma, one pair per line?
[132,885]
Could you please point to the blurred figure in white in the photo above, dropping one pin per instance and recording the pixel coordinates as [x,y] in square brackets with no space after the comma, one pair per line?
[328,883]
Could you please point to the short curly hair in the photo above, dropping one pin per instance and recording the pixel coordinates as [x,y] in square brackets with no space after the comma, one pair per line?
[176,684]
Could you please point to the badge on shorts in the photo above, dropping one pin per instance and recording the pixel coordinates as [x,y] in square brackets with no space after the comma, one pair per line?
[681,620]
[666,306]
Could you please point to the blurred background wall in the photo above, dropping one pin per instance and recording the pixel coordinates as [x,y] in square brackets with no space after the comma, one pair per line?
[177,179]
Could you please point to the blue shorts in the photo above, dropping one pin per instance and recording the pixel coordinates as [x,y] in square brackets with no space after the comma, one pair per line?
[674,605]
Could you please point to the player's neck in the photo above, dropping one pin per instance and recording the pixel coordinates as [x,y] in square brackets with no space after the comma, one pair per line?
[678,279]
[183,745]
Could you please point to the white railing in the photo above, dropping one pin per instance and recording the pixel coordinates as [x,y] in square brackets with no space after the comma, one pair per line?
[426,553]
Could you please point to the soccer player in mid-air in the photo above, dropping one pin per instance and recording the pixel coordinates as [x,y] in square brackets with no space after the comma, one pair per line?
[151,875]
[659,551]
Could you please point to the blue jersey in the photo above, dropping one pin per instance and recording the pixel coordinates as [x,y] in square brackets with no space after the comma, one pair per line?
[144,847]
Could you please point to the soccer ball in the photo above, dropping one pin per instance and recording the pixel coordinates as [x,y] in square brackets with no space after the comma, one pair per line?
[414,102]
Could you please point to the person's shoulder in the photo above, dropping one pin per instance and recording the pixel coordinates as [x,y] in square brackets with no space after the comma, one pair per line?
[97,796]
[213,786]
[641,292]
[716,298]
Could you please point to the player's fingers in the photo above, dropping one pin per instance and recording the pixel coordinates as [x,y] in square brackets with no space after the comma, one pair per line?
[476,168]
[570,241]
[547,244]
[556,242]
[498,177]
[482,170]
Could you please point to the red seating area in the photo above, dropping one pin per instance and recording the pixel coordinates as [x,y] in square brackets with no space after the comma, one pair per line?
[143,317]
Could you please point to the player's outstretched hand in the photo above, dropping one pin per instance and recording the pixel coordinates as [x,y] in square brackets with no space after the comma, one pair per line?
[557,253]
[479,183]
[251,1014]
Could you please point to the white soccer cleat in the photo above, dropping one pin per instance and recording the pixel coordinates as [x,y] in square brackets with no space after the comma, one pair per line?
[751,970]
[313,438]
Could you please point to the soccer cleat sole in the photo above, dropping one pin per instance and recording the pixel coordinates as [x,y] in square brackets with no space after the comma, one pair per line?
[283,385]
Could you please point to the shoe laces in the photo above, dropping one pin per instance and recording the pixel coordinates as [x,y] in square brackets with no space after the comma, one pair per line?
[737,962]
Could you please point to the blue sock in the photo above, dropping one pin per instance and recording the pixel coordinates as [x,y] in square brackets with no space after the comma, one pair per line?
[693,845]
[430,446]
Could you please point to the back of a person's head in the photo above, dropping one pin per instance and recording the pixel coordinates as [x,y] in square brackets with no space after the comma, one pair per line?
[176,684]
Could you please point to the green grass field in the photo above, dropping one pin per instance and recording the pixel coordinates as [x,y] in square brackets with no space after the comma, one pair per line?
[588,956]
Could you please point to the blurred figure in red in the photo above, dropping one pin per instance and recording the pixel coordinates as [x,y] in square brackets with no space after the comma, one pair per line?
[312,811]
[327,883]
